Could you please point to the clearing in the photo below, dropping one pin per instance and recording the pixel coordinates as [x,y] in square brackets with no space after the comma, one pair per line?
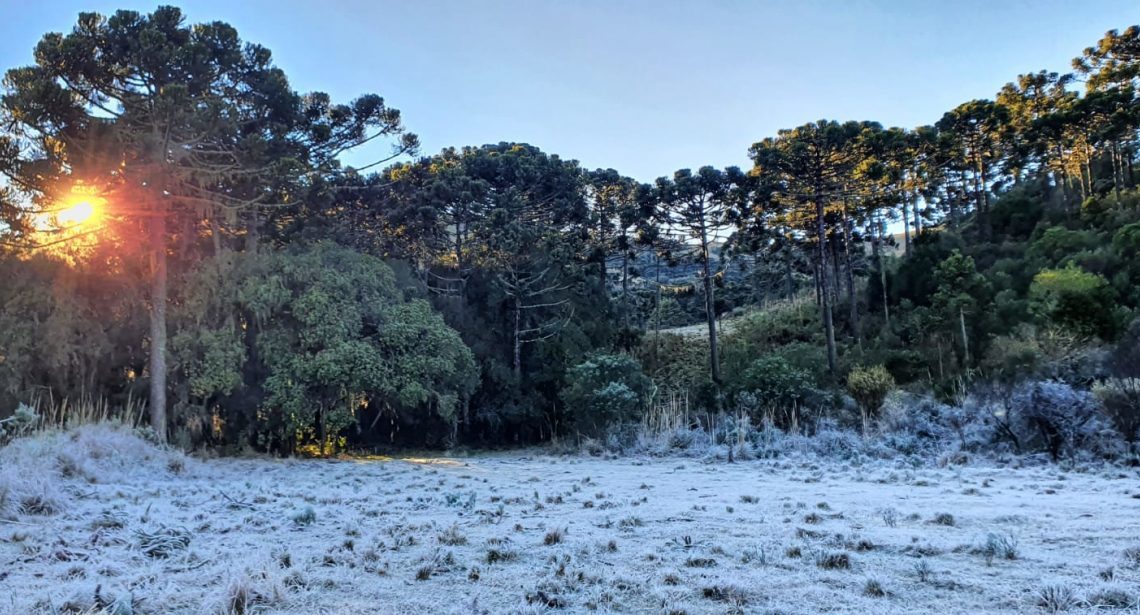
[502,533]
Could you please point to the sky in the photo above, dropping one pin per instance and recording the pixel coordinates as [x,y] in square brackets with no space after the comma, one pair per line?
[643,86]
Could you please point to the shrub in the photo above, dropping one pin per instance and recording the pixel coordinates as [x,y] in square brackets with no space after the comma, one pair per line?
[604,390]
[779,385]
[22,421]
[874,588]
[1075,299]
[1056,598]
[869,386]
[1054,417]
[1121,400]
[833,561]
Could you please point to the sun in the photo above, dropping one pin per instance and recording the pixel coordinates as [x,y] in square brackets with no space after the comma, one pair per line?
[75,213]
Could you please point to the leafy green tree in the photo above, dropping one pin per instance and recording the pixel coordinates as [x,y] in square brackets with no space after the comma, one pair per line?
[324,335]
[958,303]
[779,387]
[870,386]
[1075,299]
[605,390]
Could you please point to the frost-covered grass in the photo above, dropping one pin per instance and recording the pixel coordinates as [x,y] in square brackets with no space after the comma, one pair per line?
[131,529]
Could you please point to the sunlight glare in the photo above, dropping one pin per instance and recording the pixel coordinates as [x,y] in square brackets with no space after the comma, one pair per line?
[76,214]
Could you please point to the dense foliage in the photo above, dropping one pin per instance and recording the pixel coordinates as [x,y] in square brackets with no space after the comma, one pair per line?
[501,294]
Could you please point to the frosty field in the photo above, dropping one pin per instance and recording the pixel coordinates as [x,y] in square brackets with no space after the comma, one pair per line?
[94,524]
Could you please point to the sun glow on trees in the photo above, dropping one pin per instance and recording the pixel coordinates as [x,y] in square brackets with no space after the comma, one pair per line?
[78,210]
[76,214]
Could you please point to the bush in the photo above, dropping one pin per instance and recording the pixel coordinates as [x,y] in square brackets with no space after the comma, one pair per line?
[778,386]
[1075,299]
[1054,417]
[869,386]
[605,390]
[1121,400]
[22,421]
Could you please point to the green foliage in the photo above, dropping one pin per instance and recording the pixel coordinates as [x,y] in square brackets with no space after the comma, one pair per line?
[331,337]
[1075,299]
[605,390]
[467,295]
[869,387]
[23,420]
[778,387]
[66,330]
[1057,244]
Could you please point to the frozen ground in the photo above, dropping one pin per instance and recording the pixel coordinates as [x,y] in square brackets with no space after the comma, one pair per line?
[522,532]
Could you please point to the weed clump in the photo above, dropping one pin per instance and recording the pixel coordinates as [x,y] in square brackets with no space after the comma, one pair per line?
[834,561]
[946,519]
[304,517]
[164,542]
[553,537]
[874,589]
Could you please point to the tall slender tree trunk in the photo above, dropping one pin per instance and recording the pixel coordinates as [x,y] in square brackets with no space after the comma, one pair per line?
[883,280]
[625,286]
[518,340]
[253,235]
[853,307]
[825,299]
[965,338]
[835,277]
[983,199]
[951,206]
[710,309]
[158,295]
[657,310]
[917,215]
[906,225]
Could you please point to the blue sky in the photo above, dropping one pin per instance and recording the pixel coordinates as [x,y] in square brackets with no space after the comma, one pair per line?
[642,86]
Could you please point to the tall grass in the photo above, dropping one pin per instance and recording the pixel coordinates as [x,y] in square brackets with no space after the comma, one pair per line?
[669,413]
[67,413]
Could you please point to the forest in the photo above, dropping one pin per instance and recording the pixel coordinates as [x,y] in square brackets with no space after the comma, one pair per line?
[182,243]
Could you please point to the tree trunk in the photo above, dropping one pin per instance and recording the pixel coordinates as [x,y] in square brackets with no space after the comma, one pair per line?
[853,308]
[906,228]
[158,295]
[710,309]
[917,216]
[518,340]
[657,309]
[825,299]
[965,338]
[983,200]
[883,279]
[625,286]
[253,235]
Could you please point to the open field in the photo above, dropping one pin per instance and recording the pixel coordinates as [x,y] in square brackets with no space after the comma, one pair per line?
[118,530]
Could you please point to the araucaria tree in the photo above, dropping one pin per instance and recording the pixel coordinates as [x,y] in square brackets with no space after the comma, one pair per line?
[698,208]
[809,169]
[177,127]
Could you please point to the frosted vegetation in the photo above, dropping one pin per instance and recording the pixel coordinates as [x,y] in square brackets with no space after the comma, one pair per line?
[99,520]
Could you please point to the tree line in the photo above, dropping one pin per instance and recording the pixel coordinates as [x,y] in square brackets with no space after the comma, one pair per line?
[469,296]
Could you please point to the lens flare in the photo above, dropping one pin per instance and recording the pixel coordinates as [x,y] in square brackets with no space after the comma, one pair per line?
[75,214]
